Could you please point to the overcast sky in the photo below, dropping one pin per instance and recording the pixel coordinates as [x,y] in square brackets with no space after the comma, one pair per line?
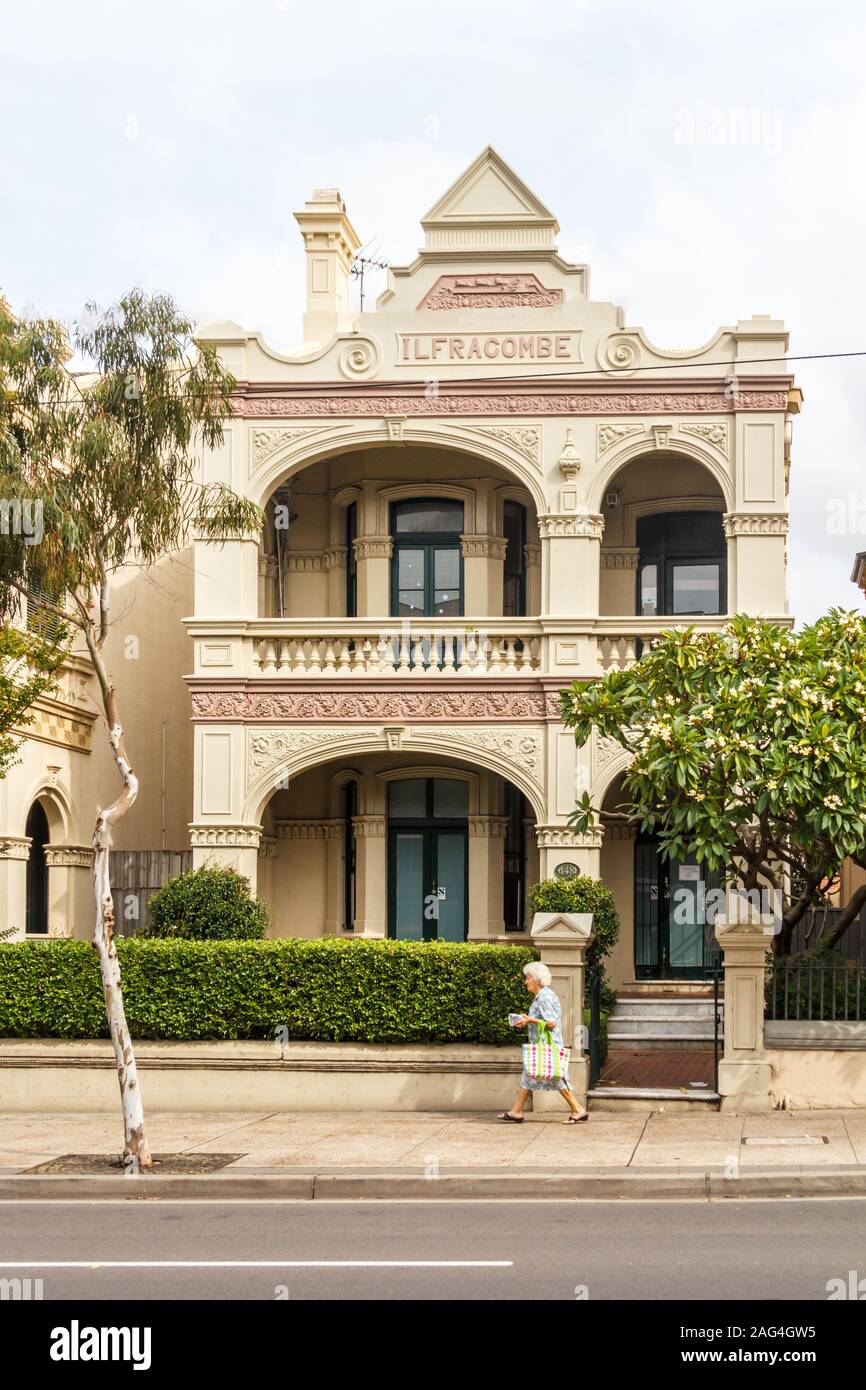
[705,160]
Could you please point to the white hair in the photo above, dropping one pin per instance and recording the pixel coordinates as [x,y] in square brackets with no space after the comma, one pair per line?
[536,971]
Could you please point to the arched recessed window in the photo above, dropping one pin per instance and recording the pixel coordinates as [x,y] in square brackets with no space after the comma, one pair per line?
[682,568]
[37,871]
[427,566]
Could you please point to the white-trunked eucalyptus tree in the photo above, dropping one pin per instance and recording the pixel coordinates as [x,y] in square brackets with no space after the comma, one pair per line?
[111,456]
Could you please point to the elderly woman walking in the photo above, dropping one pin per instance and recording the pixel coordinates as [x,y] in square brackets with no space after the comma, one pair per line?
[546,1007]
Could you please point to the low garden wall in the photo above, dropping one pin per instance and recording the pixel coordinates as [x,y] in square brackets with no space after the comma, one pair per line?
[817,1064]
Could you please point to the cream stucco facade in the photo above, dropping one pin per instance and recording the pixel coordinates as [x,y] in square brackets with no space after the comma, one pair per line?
[481,489]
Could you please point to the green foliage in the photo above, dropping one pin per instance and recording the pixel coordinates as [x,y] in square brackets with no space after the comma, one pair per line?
[207,904]
[815,987]
[749,751]
[325,989]
[581,894]
[27,668]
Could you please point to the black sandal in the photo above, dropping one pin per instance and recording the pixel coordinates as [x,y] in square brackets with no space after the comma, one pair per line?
[577,1119]
[515,1119]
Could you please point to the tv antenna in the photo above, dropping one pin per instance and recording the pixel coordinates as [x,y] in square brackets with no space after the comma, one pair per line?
[361,262]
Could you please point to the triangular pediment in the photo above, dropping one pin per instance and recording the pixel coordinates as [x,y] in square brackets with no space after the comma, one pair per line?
[562,924]
[489,194]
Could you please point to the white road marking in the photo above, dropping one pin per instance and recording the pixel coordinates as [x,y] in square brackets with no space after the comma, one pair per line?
[256,1264]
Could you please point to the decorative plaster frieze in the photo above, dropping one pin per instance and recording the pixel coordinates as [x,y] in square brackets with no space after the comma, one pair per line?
[488,827]
[571,524]
[713,434]
[272,748]
[303,403]
[374,548]
[309,829]
[304,561]
[341,706]
[524,439]
[532,554]
[268,566]
[368,827]
[15,847]
[483,547]
[225,836]
[69,856]
[267,441]
[618,831]
[523,291]
[565,837]
[755,524]
[608,435]
[619,557]
[604,748]
[521,748]
[268,847]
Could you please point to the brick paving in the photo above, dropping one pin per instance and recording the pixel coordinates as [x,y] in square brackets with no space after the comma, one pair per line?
[657,1068]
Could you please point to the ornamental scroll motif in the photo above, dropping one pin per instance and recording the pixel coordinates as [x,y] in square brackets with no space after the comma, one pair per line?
[524,439]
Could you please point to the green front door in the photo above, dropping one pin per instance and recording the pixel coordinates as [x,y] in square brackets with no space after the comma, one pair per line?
[673,933]
[427,859]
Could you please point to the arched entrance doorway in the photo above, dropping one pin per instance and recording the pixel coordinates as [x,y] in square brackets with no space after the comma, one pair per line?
[37,871]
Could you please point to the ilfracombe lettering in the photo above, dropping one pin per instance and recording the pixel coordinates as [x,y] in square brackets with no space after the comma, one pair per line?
[77,1343]
[489,347]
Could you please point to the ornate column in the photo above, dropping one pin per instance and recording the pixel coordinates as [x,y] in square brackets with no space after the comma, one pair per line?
[560,844]
[570,562]
[371,875]
[71,904]
[562,939]
[14,853]
[486,876]
[335,565]
[483,570]
[373,556]
[745,1075]
[228,846]
[532,560]
[757,543]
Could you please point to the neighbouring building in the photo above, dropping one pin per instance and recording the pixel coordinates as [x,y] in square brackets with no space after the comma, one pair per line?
[478,491]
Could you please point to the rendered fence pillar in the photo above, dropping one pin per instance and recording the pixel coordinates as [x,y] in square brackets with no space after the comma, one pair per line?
[745,1074]
[562,939]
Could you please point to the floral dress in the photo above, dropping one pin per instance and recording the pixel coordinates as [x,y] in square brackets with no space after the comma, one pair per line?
[545,1005]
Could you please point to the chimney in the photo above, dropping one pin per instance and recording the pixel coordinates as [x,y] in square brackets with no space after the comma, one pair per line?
[330,241]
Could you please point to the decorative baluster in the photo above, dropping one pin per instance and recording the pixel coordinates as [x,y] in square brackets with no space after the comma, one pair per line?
[510,656]
[258,648]
[269,658]
[494,661]
[344,660]
[630,651]
[298,661]
[448,655]
[524,656]
[418,655]
[285,656]
[402,643]
[314,662]
[362,658]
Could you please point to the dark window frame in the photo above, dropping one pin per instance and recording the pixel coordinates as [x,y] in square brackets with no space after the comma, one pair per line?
[429,542]
[518,572]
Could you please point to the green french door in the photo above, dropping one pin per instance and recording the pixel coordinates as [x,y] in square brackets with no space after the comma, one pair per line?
[427,860]
[673,930]
[427,564]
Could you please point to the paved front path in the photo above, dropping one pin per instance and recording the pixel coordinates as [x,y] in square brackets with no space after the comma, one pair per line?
[414,1141]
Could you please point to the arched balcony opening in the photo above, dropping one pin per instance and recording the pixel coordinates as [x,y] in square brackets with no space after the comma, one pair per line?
[392,847]
[664,552]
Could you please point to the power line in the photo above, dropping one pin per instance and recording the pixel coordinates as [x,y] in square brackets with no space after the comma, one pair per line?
[602,373]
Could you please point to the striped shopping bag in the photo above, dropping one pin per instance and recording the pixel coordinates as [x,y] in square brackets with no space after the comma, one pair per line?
[545,1060]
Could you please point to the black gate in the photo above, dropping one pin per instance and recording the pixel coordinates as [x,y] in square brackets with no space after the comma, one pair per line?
[593,996]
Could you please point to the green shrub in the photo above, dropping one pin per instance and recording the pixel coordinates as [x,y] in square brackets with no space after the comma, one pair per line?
[584,894]
[325,989]
[207,904]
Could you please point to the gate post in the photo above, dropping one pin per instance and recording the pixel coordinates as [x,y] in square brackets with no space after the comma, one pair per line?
[745,1074]
[562,939]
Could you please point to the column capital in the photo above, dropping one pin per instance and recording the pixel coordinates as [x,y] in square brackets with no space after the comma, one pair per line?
[620,557]
[587,525]
[755,524]
[566,837]
[368,827]
[335,557]
[14,846]
[483,547]
[494,827]
[69,856]
[374,547]
[225,836]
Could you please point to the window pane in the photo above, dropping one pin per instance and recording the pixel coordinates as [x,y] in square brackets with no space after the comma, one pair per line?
[696,589]
[408,799]
[446,569]
[410,886]
[649,585]
[446,604]
[450,798]
[426,517]
[410,569]
[410,603]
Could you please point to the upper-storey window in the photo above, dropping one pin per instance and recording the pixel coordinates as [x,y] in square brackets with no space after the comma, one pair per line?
[681,571]
[514,577]
[427,565]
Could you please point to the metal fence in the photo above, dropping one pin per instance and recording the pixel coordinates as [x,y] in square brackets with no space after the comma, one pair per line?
[136,874]
[815,990]
[819,922]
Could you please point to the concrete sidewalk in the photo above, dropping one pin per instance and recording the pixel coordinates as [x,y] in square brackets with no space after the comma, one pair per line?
[399,1154]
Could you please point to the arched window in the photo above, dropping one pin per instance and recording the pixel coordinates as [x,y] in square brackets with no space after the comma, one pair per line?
[427,568]
[37,872]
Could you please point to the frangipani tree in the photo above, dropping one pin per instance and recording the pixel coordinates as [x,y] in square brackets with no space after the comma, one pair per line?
[112,460]
[748,751]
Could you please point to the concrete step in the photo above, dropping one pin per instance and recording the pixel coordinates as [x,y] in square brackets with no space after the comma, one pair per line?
[641,1010]
[661,1027]
[645,1100]
[669,1042]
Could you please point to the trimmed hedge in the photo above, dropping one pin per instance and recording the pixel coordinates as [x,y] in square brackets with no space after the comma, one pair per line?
[323,990]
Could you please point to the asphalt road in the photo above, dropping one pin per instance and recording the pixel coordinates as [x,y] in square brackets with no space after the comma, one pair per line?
[739,1250]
